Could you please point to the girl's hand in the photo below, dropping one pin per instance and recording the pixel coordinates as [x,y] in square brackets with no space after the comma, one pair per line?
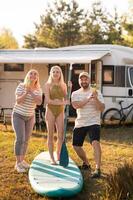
[70,84]
[67,102]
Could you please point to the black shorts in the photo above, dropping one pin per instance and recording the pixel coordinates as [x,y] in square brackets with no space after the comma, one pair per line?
[79,134]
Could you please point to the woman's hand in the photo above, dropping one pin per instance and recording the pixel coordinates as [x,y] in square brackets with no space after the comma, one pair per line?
[27,88]
[30,90]
[70,84]
[66,102]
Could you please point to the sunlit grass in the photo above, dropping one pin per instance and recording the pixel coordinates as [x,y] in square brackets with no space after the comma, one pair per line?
[116,145]
[120,183]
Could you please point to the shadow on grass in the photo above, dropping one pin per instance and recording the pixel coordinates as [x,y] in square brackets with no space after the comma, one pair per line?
[119,135]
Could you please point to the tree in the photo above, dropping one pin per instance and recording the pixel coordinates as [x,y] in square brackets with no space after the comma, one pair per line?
[114,32]
[100,27]
[7,40]
[60,26]
[30,41]
[94,26]
[127,24]
[64,24]
[67,30]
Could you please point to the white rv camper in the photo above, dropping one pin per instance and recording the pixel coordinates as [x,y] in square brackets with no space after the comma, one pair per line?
[110,66]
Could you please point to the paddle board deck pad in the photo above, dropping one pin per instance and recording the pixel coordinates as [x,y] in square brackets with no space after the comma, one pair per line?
[54,180]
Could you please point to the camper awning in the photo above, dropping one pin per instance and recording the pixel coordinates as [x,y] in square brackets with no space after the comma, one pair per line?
[50,56]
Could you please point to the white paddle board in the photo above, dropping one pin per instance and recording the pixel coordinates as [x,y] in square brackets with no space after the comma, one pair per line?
[54,180]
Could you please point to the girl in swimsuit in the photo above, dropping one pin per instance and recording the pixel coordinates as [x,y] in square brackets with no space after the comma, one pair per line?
[55,94]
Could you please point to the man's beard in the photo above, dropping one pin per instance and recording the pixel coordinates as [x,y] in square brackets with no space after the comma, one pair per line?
[85,86]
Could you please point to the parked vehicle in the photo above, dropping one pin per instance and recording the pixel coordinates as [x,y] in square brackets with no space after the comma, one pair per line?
[110,67]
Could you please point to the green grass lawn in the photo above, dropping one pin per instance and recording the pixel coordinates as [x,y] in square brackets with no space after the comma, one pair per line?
[117,147]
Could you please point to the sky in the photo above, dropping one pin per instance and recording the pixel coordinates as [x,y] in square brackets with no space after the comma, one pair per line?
[20,15]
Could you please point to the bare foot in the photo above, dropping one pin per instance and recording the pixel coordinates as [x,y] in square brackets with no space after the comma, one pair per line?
[53,162]
[58,157]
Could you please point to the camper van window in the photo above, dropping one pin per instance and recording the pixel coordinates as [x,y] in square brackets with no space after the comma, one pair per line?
[108,74]
[13,67]
[131,75]
[120,76]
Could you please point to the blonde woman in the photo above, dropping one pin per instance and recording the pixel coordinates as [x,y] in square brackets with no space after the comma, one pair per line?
[28,95]
[55,94]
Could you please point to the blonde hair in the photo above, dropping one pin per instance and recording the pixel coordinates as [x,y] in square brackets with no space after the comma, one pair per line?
[26,79]
[61,79]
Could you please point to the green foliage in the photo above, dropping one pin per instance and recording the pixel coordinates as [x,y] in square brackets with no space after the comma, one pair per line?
[94,26]
[114,34]
[30,39]
[128,37]
[127,25]
[7,40]
[101,28]
[67,29]
[65,24]
[60,26]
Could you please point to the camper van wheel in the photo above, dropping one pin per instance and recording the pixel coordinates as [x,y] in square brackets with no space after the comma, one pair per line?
[111,117]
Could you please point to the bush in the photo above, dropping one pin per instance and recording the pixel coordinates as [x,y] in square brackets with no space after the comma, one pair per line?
[120,183]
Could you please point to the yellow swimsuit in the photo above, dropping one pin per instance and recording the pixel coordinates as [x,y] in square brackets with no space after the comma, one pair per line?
[56,92]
